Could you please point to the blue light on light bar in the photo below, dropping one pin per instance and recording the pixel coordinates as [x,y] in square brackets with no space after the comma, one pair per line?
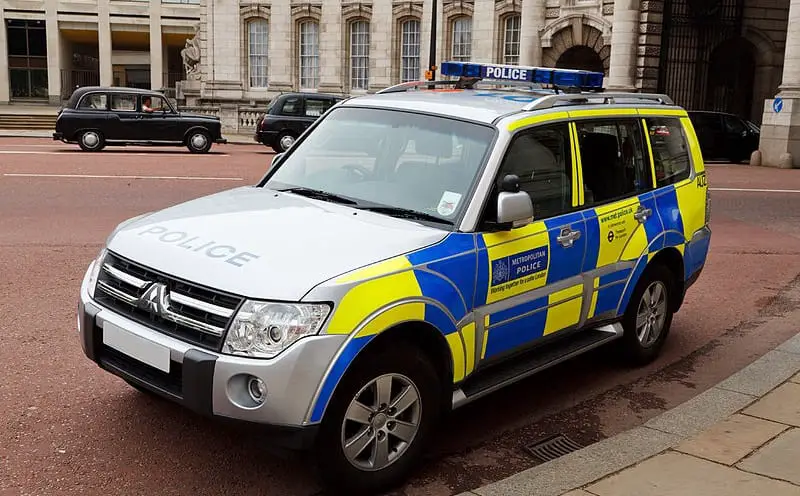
[533,75]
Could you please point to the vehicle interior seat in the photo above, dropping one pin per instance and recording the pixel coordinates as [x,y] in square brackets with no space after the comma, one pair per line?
[603,170]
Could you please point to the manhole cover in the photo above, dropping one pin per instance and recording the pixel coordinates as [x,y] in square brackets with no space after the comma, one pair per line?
[553,447]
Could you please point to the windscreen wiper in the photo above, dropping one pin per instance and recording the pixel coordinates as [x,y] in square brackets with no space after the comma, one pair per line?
[405,213]
[319,195]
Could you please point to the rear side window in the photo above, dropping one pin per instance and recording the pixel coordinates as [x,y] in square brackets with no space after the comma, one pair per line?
[670,150]
[291,106]
[94,101]
[123,102]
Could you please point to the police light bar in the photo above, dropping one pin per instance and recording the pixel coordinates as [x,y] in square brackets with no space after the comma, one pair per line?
[535,75]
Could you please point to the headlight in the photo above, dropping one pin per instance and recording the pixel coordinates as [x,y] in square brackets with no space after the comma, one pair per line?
[263,330]
[95,273]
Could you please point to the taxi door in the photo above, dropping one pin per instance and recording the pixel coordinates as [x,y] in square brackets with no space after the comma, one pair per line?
[530,283]
[621,216]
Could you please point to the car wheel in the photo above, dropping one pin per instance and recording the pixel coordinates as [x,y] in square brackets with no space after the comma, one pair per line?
[91,141]
[378,422]
[648,318]
[284,142]
[198,142]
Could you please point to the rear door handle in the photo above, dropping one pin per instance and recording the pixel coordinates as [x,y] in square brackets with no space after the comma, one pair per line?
[642,214]
[568,237]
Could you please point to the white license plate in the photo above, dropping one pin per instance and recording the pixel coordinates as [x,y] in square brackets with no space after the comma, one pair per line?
[141,349]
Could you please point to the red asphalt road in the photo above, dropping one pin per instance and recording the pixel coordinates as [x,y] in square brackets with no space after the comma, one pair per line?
[70,428]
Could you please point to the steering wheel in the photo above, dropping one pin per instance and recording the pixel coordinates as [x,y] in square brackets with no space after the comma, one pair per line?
[358,170]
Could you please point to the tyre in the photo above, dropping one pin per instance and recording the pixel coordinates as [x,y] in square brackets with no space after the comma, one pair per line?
[284,141]
[198,141]
[91,141]
[378,421]
[648,318]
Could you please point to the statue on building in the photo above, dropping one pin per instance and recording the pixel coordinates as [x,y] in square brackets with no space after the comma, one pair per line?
[191,54]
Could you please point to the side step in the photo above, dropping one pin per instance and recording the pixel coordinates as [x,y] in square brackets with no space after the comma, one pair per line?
[534,361]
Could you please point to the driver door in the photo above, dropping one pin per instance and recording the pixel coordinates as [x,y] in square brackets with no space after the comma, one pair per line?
[160,124]
[530,283]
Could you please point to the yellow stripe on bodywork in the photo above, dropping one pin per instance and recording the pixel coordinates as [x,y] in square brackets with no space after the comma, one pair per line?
[692,194]
[537,119]
[656,112]
[593,304]
[369,296]
[607,112]
[468,332]
[617,218]
[650,153]
[577,167]
[456,349]
[485,336]
[506,243]
[564,314]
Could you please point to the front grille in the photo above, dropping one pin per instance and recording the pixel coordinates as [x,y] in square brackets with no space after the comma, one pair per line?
[171,383]
[186,311]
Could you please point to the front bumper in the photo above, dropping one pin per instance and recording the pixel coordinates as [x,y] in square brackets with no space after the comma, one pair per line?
[58,136]
[214,384]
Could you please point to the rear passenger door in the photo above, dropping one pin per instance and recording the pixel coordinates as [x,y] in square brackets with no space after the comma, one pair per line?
[124,122]
[530,282]
[619,208]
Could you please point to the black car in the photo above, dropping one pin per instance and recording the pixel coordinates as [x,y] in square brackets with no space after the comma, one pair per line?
[94,117]
[725,136]
[289,115]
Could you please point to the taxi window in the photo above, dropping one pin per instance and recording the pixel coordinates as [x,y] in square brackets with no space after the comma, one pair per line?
[123,102]
[670,150]
[393,158]
[315,107]
[93,101]
[612,159]
[153,104]
[291,106]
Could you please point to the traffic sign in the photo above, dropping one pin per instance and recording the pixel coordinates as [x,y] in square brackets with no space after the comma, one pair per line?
[777,105]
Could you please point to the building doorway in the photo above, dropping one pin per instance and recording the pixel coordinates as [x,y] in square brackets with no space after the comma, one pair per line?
[27,59]
[580,57]
[731,74]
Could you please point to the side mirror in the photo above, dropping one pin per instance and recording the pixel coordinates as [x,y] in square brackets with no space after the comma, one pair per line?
[513,206]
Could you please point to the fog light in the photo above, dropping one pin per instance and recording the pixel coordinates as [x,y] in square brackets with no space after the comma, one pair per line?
[257,390]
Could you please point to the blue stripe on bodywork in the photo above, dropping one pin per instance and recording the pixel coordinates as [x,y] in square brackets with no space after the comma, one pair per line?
[667,203]
[696,254]
[652,226]
[592,228]
[514,334]
[608,298]
[438,289]
[518,310]
[435,316]
[564,262]
[482,279]
[619,275]
[634,280]
[336,373]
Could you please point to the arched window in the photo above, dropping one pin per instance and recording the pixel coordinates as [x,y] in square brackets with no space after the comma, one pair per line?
[461,48]
[258,51]
[309,54]
[359,55]
[511,39]
[409,50]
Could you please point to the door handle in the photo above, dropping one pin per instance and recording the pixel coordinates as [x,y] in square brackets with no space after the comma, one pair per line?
[568,237]
[642,214]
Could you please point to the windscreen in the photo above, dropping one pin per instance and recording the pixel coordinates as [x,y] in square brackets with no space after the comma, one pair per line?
[391,158]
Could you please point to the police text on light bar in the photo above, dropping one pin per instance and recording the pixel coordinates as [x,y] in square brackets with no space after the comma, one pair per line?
[533,75]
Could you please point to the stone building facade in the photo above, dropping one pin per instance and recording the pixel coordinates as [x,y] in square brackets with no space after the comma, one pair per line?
[229,57]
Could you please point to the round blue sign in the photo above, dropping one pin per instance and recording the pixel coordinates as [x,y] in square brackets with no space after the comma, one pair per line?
[777,105]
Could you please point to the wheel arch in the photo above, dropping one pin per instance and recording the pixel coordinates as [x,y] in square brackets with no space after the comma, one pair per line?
[194,128]
[673,259]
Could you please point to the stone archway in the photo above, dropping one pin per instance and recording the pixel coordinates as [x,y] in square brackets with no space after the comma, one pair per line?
[731,75]
[578,47]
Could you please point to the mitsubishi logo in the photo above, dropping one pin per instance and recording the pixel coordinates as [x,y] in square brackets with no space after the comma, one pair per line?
[155,300]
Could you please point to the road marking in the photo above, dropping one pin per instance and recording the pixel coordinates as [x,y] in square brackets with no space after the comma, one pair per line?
[132,153]
[756,190]
[91,176]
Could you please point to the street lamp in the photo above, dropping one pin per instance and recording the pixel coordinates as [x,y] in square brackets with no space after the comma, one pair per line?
[431,72]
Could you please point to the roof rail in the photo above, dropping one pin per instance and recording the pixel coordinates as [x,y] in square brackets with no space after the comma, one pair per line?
[550,101]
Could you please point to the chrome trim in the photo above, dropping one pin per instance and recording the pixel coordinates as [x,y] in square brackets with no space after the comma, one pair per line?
[116,293]
[608,98]
[168,314]
[125,277]
[201,305]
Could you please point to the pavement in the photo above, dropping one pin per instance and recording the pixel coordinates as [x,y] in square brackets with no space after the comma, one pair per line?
[741,437]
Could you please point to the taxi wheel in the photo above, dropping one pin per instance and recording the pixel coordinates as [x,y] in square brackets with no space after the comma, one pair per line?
[379,421]
[91,141]
[284,142]
[648,318]
[198,142]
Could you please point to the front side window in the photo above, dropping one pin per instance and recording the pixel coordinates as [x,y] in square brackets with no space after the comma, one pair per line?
[409,51]
[613,159]
[94,101]
[462,39]
[154,104]
[359,55]
[258,50]
[511,40]
[389,159]
[309,54]
[670,150]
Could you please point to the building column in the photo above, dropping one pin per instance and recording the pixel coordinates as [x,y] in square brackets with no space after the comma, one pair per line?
[531,25]
[53,38]
[281,60]
[4,88]
[156,48]
[223,65]
[624,39]
[483,22]
[104,43]
[780,125]
[381,63]
[331,31]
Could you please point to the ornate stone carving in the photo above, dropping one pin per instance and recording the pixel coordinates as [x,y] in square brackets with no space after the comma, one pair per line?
[306,9]
[356,9]
[190,54]
[406,8]
[553,13]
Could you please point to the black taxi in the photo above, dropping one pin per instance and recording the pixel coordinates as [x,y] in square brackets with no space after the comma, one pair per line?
[94,117]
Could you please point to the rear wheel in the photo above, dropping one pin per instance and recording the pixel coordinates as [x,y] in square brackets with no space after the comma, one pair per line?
[648,318]
[91,141]
[378,422]
[284,141]
[198,142]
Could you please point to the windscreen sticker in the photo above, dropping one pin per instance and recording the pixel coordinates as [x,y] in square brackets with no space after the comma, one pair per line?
[448,203]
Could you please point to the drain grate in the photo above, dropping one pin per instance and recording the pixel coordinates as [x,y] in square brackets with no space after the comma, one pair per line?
[553,447]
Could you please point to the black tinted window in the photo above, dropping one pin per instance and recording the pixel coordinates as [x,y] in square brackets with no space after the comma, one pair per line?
[613,159]
[292,106]
[670,150]
[708,122]
[734,125]
[542,161]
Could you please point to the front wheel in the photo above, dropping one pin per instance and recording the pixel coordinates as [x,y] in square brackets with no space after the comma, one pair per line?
[198,142]
[378,422]
[648,318]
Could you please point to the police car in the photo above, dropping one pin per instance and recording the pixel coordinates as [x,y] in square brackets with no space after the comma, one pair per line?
[414,251]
